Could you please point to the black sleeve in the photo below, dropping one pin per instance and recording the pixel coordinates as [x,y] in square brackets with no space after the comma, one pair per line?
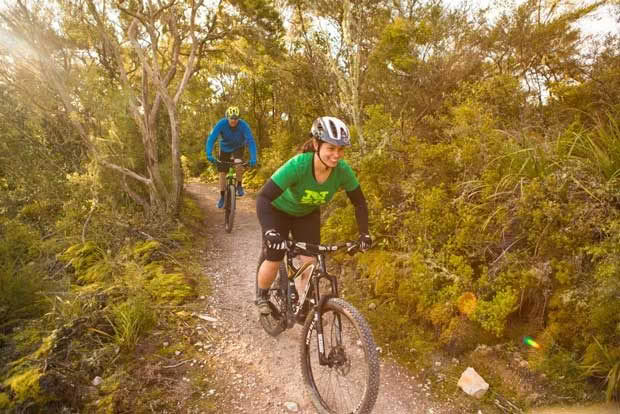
[361,209]
[264,210]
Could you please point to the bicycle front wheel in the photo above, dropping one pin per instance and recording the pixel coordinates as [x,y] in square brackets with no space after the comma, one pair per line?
[231,200]
[349,381]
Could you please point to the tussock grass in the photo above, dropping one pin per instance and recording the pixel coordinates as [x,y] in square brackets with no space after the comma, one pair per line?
[131,320]
[603,363]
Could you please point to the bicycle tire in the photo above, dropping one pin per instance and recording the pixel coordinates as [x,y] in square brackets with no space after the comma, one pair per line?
[229,214]
[351,385]
[275,323]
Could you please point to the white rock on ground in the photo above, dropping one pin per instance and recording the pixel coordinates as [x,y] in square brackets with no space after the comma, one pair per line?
[472,383]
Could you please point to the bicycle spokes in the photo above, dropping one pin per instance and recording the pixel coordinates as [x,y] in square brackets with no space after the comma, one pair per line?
[344,382]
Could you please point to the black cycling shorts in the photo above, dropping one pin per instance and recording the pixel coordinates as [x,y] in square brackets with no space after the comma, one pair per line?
[228,157]
[304,229]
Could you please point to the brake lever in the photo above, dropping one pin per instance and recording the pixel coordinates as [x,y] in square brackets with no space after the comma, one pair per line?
[352,249]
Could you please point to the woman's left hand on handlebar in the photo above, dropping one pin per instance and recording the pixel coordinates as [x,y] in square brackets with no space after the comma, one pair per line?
[365,241]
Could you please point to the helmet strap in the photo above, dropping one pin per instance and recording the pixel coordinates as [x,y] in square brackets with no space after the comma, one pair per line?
[318,154]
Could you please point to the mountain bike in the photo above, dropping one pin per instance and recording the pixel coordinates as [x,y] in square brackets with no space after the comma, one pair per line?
[338,355]
[230,193]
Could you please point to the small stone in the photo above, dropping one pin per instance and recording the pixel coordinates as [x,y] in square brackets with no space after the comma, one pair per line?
[372,306]
[211,392]
[177,353]
[207,318]
[166,344]
[97,381]
[291,406]
[472,383]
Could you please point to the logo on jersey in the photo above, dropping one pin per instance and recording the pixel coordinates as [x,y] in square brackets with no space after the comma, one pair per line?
[314,197]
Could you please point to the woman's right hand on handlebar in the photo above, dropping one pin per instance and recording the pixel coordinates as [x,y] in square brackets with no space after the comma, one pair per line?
[274,240]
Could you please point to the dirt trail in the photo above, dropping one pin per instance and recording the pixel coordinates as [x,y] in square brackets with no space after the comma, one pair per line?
[264,372]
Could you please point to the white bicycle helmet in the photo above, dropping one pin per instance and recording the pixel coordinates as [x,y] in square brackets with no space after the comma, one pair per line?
[332,130]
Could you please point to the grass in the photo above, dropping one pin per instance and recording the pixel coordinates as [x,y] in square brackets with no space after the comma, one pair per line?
[130,320]
[602,363]
[599,149]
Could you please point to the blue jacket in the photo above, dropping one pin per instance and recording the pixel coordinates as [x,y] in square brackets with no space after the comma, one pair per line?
[232,138]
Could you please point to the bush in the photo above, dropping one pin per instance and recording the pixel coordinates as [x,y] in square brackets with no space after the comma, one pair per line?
[131,319]
[603,363]
[20,282]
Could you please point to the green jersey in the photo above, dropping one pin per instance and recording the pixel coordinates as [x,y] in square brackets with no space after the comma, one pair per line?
[302,194]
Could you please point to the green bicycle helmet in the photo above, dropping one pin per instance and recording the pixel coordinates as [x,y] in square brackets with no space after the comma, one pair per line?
[232,112]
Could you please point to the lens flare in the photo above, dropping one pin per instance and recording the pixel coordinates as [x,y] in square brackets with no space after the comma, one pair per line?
[530,342]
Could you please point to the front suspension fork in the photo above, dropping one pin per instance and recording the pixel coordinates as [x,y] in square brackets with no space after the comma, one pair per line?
[317,320]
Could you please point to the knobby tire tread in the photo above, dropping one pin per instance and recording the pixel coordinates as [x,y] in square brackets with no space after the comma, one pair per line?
[372,382]
[230,210]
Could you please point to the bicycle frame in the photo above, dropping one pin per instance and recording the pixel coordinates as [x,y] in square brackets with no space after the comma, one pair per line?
[230,194]
[318,271]
[344,356]
[231,176]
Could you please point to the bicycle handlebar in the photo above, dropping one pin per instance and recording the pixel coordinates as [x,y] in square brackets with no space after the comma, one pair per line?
[351,247]
[232,163]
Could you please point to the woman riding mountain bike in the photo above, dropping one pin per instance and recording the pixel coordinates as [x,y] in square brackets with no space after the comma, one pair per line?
[290,200]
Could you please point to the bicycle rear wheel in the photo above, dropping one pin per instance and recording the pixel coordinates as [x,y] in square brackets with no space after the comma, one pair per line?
[275,323]
[229,214]
[349,382]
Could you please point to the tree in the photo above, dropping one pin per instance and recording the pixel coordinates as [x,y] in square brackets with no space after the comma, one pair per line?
[157,35]
[140,49]
[423,54]
[339,36]
[536,43]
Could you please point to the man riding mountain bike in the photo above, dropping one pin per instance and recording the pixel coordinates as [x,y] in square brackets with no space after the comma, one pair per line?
[234,134]
[290,200]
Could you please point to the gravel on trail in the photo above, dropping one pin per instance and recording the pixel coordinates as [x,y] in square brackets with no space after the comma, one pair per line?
[263,372]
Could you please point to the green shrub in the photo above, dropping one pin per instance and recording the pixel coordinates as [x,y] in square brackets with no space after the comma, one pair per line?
[172,288]
[20,281]
[142,252]
[91,263]
[603,363]
[131,320]
[493,314]
[4,400]
[20,293]
[25,386]
[19,243]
